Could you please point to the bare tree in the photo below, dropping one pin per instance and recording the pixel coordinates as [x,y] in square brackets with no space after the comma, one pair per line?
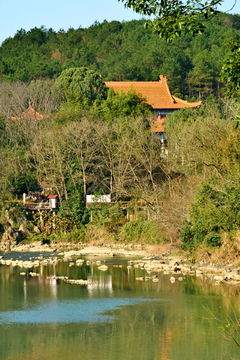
[15,98]
[49,151]
[82,147]
[116,155]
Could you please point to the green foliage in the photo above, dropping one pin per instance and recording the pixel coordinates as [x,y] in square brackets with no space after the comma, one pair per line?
[205,144]
[74,209]
[142,231]
[11,210]
[71,236]
[215,210]
[68,114]
[187,237]
[36,237]
[109,217]
[120,52]
[175,18]
[80,86]
[201,78]
[231,67]
[23,182]
[74,236]
[120,104]
[3,137]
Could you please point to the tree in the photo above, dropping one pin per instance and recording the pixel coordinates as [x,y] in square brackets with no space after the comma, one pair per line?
[119,52]
[82,147]
[40,94]
[49,150]
[231,67]
[200,79]
[74,209]
[15,97]
[115,156]
[80,86]
[173,18]
[121,104]
[204,145]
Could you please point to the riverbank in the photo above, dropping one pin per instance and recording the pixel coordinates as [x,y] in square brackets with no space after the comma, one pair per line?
[152,259]
[108,249]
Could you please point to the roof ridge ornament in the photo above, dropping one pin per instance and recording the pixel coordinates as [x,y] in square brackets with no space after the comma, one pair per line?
[163,79]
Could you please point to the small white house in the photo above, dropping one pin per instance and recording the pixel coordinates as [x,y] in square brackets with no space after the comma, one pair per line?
[91,199]
[53,201]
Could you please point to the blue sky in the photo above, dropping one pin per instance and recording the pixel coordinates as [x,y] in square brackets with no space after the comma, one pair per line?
[57,14]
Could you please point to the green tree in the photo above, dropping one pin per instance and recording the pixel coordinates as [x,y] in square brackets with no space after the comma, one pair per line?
[231,67]
[200,79]
[80,86]
[74,209]
[215,211]
[118,51]
[121,104]
[173,18]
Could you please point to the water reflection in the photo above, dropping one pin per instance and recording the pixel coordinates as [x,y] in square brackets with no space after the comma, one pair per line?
[117,317]
[165,339]
[25,289]
[53,287]
[99,283]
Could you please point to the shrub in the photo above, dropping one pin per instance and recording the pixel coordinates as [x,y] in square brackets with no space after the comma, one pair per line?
[216,210]
[74,209]
[142,231]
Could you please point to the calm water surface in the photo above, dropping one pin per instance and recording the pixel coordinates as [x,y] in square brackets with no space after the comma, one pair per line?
[117,318]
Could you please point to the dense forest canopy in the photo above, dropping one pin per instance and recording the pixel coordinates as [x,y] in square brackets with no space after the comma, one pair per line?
[171,19]
[123,51]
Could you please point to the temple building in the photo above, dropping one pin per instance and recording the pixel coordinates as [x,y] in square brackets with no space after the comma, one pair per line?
[158,95]
[29,115]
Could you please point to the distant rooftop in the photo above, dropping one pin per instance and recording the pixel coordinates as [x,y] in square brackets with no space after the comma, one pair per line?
[29,114]
[156,93]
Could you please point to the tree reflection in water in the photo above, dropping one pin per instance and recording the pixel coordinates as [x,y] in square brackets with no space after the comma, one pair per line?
[122,318]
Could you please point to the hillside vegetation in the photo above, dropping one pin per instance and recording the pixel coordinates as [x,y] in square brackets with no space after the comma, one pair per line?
[123,51]
[92,141]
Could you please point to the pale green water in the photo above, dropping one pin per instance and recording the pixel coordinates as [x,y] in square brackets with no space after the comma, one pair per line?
[119,318]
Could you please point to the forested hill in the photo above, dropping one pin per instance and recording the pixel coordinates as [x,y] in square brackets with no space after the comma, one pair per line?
[122,51]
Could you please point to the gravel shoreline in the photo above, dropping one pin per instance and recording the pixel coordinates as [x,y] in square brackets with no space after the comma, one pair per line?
[151,263]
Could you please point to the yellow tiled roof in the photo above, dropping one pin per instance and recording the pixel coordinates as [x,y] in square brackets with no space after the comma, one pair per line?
[158,126]
[156,93]
[29,114]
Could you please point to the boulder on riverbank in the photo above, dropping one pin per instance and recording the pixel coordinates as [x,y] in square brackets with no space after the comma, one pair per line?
[24,229]
[12,236]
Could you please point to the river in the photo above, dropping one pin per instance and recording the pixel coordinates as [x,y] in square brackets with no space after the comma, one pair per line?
[117,317]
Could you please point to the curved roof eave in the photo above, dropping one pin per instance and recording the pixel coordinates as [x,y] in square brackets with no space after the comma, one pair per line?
[156,93]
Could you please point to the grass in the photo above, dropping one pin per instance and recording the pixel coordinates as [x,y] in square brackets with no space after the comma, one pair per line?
[147,232]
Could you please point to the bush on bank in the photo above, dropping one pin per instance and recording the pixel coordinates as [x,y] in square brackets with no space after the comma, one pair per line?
[214,213]
[146,232]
